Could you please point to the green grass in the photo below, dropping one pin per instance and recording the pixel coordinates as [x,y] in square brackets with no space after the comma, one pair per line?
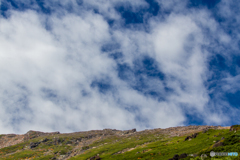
[146,146]
[159,148]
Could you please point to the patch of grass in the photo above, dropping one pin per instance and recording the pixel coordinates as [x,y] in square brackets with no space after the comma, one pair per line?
[12,149]
[23,154]
[44,157]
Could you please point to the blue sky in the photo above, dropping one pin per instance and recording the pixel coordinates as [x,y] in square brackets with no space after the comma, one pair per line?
[75,65]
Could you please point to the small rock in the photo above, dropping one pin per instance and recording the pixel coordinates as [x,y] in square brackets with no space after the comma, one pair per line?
[44,140]
[205,130]
[218,144]
[203,156]
[95,158]
[69,152]
[69,142]
[195,155]
[194,135]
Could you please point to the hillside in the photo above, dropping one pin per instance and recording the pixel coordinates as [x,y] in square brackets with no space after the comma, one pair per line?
[189,142]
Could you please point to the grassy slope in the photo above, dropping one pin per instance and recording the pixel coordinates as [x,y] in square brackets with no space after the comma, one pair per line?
[146,147]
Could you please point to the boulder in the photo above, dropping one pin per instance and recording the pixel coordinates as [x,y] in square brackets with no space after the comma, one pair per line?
[184,155]
[192,136]
[176,157]
[187,138]
[33,145]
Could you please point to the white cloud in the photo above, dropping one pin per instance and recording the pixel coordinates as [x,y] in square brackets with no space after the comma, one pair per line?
[65,61]
[177,48]
[48,74]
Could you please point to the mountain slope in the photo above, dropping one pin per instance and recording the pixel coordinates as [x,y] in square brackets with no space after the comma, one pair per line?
[189,142]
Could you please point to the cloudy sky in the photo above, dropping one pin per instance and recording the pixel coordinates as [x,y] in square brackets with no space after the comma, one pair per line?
[75,65]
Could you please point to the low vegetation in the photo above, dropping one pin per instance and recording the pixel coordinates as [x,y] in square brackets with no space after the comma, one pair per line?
[145,145]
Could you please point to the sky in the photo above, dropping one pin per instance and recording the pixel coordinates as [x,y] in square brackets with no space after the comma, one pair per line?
[77,65]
